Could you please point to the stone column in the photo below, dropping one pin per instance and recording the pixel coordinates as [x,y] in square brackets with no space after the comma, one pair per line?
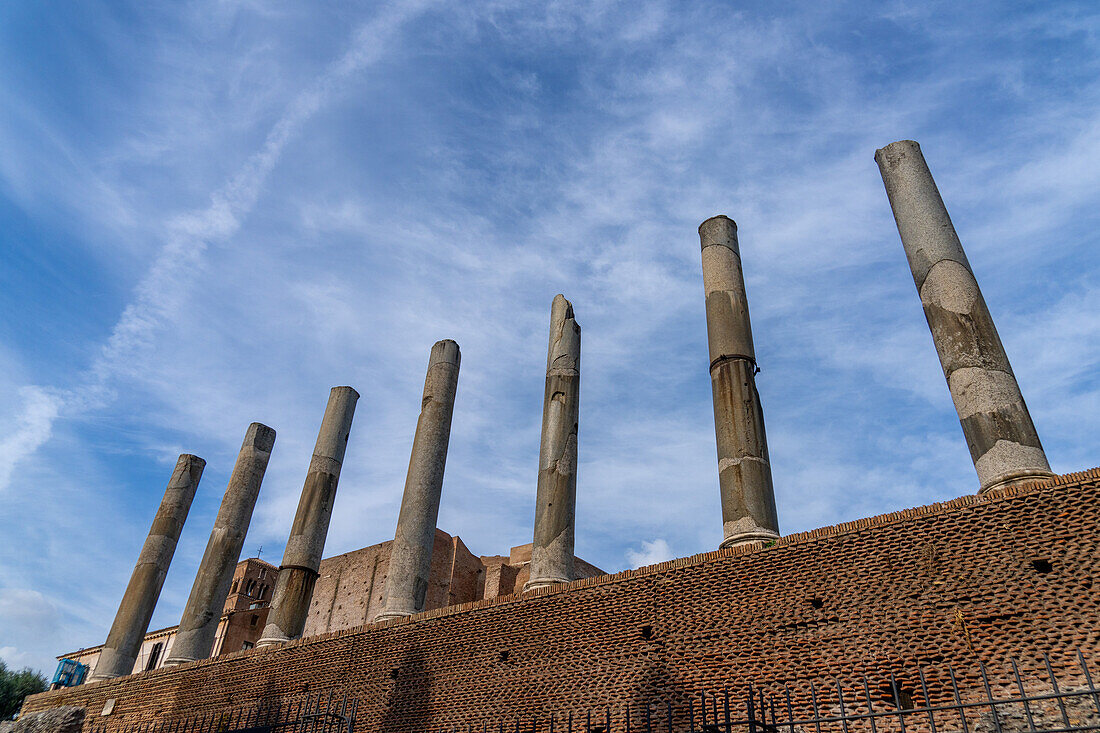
[195,638]
[411,552]
[744,471]
[556,496]
[132,620]
[998,429]
[302,557]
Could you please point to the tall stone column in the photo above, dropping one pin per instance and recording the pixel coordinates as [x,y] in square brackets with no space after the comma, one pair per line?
[556,496]
[744,471]
[411,552]
[302,557]
[203,612]
[1003,443]
[132,620]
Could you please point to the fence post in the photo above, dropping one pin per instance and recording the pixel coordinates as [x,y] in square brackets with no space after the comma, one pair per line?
[751,712]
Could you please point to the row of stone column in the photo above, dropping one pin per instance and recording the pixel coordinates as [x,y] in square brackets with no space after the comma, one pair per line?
[203,612]
[552,556]
[1003,441]
[555,501]
[410,555]
[197,628]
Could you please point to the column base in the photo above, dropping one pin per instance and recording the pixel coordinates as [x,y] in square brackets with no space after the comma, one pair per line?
[745,538]
[112,665]
[177,661]
[273,636]
[1016,479]
[104,677]
[391,615]
[536,583]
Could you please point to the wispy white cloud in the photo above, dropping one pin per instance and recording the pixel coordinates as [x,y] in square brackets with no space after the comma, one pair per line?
[446,177]
[651,553]
[162,291]
[32,428]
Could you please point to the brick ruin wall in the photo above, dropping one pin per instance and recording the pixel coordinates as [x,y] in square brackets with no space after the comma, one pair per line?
[977,579]
[349,591]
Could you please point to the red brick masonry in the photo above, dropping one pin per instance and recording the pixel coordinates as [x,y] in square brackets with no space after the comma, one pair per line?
[977,578]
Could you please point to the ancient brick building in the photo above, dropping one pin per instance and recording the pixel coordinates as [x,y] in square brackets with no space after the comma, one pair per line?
[975,580]
[348,593]
[349,590]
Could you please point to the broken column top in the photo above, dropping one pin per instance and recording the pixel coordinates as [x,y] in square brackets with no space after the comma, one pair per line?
[335,431]
[444,351]
[565,334]
[923,223]
[729,332]
[260,437]
[895,148]
[720,230]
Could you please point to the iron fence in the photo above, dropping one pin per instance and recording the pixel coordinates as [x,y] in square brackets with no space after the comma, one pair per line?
[909,703]
[1003,706]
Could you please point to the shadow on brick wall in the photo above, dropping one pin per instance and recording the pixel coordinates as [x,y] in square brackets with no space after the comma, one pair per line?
[408,702]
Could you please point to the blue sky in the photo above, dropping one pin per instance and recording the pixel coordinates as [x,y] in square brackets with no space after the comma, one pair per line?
[213,211]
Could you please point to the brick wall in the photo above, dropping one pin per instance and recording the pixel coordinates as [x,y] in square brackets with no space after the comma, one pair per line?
[975,579]
[350,588]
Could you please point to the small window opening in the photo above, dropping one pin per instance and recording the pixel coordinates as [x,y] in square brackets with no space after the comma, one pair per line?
[647,632]
[255,619]
[235,584]
[393,673]
[247,645]
[817,603]
[504,655]
[1042,566]
[154,656]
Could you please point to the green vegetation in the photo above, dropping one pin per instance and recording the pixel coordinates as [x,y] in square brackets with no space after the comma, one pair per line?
[14,686]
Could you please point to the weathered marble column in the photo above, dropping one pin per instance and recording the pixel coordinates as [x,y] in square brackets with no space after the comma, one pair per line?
[302,557]
[744,471]
[203,612]
[998,428]
[132,620]
[556,495]
[411,552]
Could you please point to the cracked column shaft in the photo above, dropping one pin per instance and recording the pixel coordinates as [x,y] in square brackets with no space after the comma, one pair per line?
[411,552]
[744,472]
[132,620]
[1003,443]
[302,557]
[203,612]
[556,496]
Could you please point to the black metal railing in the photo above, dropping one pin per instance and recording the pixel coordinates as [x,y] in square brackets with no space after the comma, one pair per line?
[1004,706]
[919,702]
